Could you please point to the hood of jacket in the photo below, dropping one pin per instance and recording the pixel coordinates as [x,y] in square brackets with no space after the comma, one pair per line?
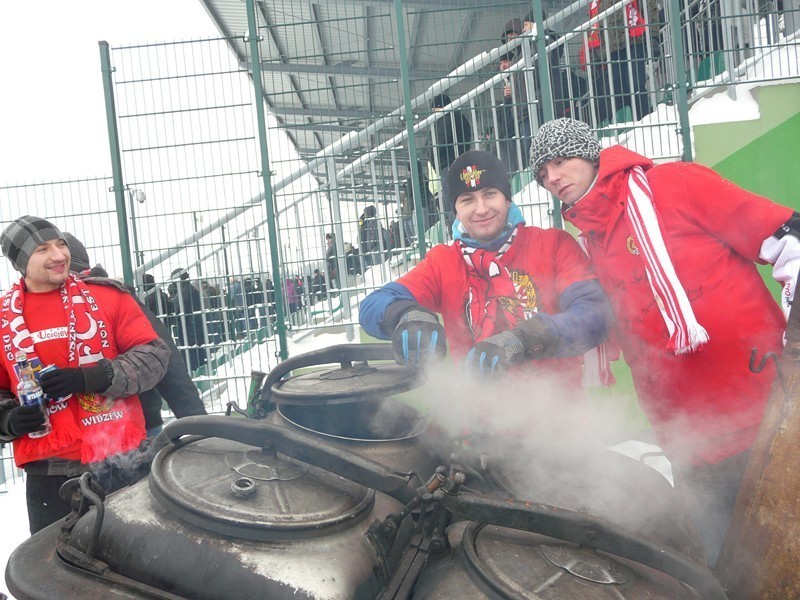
[606,199]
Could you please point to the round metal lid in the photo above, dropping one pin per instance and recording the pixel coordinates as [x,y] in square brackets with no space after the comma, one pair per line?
[519,564]
[345,383]
[237,490]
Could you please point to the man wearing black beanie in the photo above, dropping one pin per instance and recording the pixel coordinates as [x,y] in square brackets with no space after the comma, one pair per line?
[507,293]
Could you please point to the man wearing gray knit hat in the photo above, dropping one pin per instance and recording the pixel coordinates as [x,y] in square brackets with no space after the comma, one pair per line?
[675,247]
[508,294]
[23,235]
[104,352]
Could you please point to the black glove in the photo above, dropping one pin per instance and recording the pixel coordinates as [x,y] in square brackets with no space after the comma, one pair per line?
[490,357]
[417,338]
[538,337]
[530,340]
[83,380]
[25,419]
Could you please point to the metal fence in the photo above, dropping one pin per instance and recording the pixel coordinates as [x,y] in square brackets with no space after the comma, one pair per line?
[281,221]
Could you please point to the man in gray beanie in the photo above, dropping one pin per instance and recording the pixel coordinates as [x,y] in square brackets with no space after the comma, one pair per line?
[104,351]
[672,252]
[502,300]
[21,238]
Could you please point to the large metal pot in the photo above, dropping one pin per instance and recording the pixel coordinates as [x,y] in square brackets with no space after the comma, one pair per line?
[245,513]
[353,404]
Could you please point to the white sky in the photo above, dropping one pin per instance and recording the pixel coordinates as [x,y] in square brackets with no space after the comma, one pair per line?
[52,113]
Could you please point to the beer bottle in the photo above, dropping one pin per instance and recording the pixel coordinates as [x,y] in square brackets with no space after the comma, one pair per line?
[29,393]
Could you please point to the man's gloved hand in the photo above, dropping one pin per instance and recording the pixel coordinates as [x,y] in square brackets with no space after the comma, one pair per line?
[25,419]
[491,356]
[530,340]
[83,380]
[417,338]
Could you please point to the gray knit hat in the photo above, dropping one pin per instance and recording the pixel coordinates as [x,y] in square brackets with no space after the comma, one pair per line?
[565,138]
[475,170]
[23,235]
[79,260]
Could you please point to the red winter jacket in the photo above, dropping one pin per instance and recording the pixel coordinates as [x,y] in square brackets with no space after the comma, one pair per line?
[704,406]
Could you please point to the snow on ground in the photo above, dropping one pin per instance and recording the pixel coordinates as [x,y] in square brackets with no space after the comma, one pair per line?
[15,523]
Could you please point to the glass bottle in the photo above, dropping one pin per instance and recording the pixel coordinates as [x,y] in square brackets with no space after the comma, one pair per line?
[29,393]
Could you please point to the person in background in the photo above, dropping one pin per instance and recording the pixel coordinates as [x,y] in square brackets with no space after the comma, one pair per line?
[373,237]
[330,259]
[318,288]
[452,136]
[508,294]
[105,353]
[175,388]
[675,247]
[188,306]
[155,298]
[619,69]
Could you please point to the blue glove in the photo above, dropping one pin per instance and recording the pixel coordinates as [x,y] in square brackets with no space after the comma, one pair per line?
[417,338]
[490,357]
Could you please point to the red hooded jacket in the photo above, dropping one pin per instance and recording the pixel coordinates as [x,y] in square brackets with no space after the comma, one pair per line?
[705,406]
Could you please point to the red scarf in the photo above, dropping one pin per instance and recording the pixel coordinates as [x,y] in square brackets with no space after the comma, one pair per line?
[493,301]
[637,27]
[101,426]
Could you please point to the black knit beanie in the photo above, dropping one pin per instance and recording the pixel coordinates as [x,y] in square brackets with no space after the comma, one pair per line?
[562,138]
[475,170]
[80,258]
[23,235]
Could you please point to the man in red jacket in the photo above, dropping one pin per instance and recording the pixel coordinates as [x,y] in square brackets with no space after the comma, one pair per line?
[509,294]
[675,247]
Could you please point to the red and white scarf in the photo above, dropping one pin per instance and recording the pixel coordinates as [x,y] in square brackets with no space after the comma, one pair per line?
[493,300]
[686,334]
[104,427]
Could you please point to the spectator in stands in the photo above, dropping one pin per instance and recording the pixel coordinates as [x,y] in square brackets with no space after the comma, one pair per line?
[292,297]
[373,237]
[506,121]
[155,298]
[619,76]
[352,259]
[236,300]
[318,288]
[188,306]
[452,136]
[515,90]
[331,261]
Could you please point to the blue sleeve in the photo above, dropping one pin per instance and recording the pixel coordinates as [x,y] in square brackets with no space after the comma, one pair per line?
[372,310]
[584,319]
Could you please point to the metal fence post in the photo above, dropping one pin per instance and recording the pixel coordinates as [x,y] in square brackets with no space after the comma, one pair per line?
[680,78]
[116,162]
[409,114]
[269,200]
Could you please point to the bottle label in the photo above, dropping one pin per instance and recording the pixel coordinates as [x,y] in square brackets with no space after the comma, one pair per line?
[32,398]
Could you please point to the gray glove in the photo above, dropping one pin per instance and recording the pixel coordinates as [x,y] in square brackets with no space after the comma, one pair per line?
[490,357]
[530,340]
[417,338]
